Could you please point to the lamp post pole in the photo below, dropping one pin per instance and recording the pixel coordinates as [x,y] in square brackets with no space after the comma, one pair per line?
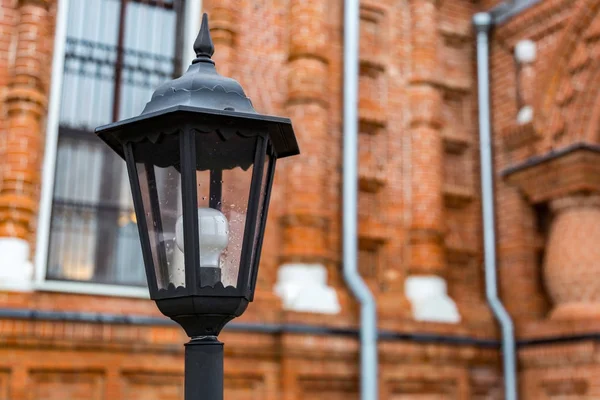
[204,369]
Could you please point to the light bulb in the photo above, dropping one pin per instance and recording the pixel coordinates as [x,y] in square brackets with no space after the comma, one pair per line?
[213,232]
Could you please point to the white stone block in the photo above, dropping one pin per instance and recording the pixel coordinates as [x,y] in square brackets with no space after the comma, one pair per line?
[429,299]
[303,288]
[16,271]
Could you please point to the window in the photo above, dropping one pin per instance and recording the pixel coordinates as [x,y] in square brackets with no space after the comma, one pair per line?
[116,53]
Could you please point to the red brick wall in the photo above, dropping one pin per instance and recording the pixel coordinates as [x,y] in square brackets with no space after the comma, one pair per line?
[26,51]
[419,203]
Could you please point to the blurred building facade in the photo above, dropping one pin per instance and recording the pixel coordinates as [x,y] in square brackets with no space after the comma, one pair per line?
[68,242]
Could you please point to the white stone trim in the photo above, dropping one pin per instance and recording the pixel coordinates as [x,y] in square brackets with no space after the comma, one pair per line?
[93,289]
[16,271]
[303,288]
[49,163]
[429,299]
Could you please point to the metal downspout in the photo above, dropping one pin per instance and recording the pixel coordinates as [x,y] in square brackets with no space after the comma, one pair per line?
[483,23]
[192,16]
[368,312]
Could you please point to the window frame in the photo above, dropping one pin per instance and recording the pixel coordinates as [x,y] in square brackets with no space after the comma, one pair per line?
[192,18]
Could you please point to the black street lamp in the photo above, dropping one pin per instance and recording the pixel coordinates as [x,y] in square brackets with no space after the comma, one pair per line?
[201,162]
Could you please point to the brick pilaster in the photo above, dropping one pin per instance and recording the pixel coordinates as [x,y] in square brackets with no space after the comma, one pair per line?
[306,218]
[427,252]
[25,105]
[223,22]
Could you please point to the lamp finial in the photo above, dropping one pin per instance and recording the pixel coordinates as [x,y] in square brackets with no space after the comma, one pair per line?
[203,46]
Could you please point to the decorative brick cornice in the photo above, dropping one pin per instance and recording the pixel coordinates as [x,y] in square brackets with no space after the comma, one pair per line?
[457,196]
[307,219]
[456,31]
[426,235]
[577,201]
[422,2]
[584,13]
[460,255]
[425,106]
[517,136]
[223,22]
[425,41]
[372,118]
[308,30]
[551,355]
[575,169]
[307,81]
[26,99]
[372,232]
[41,3]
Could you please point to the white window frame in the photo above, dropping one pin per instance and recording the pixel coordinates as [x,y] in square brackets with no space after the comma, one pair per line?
[191,28]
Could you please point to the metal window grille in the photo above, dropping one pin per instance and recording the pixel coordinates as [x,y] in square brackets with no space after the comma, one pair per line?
[117,52]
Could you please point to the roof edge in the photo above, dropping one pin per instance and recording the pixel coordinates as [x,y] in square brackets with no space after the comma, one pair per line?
[504,11]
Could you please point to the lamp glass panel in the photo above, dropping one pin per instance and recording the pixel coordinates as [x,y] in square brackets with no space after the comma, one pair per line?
[160,187]
[225,166]
[261,214]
